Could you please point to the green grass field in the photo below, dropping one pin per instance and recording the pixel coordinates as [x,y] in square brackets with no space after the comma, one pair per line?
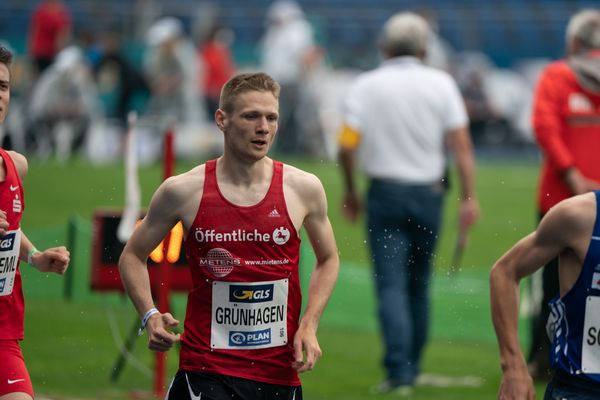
[71,346]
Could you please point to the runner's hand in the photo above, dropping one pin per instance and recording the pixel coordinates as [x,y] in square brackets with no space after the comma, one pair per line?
[3,223]
[54,259]
[516,386]
[305,342]
[160,338]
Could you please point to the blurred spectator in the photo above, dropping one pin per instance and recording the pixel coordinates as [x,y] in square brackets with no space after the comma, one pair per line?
[171,70]
[288,54]
[145,13]
[63,105]
[49,31]
[565,121]
[218,66]
[439,50]
[117,79]
[89,42]
[398,119]
[471,72]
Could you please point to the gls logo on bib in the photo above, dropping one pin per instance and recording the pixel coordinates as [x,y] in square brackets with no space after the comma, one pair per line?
[250,293]
[7,242]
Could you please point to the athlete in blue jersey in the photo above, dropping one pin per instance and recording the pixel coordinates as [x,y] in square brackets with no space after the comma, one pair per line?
[570,231]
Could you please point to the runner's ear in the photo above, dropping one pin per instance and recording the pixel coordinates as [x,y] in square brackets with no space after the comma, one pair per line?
[221,119]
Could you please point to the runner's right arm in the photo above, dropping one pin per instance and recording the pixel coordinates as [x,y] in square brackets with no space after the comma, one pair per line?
[561,229]
[160,218]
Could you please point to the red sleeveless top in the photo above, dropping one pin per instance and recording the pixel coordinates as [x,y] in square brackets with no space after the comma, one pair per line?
[12,305]
[243,311]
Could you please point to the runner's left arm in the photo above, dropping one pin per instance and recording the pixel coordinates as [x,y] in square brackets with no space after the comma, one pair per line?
[323,278]
[53,259]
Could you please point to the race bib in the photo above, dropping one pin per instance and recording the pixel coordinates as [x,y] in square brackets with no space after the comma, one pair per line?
[249,315]
[9,258]
[590,357]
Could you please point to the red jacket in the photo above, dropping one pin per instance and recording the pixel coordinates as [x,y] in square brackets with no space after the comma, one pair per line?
[566,120]
[48,23]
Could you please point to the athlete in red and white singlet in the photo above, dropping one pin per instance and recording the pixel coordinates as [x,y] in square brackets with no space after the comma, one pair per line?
[14,375]
[12,305]
[243,335]
[15,383]
[244,309]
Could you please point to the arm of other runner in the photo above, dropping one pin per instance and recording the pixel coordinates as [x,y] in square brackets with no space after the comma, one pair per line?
[560,230]
[150,232]
[324,275]
[54,259]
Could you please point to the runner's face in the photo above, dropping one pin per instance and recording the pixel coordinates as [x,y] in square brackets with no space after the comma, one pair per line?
[4,91]
[250,128]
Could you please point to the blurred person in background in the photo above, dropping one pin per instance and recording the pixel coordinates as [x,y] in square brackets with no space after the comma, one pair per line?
[244,336]
[439,51]
[63,105]
[15,383]
[118,80]
[569,231]
[398,119]
[566,121]
[49,31]
[471,71]
[171,70]
[218,66]
[288,53]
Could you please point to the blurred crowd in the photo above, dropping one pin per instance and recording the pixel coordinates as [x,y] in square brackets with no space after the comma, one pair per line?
[73,88]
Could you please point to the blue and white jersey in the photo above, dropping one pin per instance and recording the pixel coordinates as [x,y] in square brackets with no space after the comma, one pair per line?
[574,321]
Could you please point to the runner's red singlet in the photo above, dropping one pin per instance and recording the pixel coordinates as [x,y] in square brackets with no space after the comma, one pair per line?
[12,306]
[243,311]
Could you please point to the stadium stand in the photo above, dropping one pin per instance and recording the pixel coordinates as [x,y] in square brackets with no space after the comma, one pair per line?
[506,30]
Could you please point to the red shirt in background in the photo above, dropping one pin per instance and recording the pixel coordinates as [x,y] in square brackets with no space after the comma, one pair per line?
[49,21]
[566,121]
[218,68]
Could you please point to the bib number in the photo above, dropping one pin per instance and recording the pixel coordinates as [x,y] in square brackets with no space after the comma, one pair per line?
[249,315]
[10,245]
[590,358]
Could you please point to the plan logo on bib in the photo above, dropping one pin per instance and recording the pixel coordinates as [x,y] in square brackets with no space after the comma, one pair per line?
[281,235]
[245,339]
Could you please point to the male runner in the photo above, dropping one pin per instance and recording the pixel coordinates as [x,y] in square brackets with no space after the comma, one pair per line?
[570,231]
[243,337]
[15,383]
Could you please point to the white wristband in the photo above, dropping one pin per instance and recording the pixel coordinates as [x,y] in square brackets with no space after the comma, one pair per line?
[147,316]
[30,255]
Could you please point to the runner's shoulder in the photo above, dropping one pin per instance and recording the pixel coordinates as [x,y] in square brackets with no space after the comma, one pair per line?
[180,187]
[300,180]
